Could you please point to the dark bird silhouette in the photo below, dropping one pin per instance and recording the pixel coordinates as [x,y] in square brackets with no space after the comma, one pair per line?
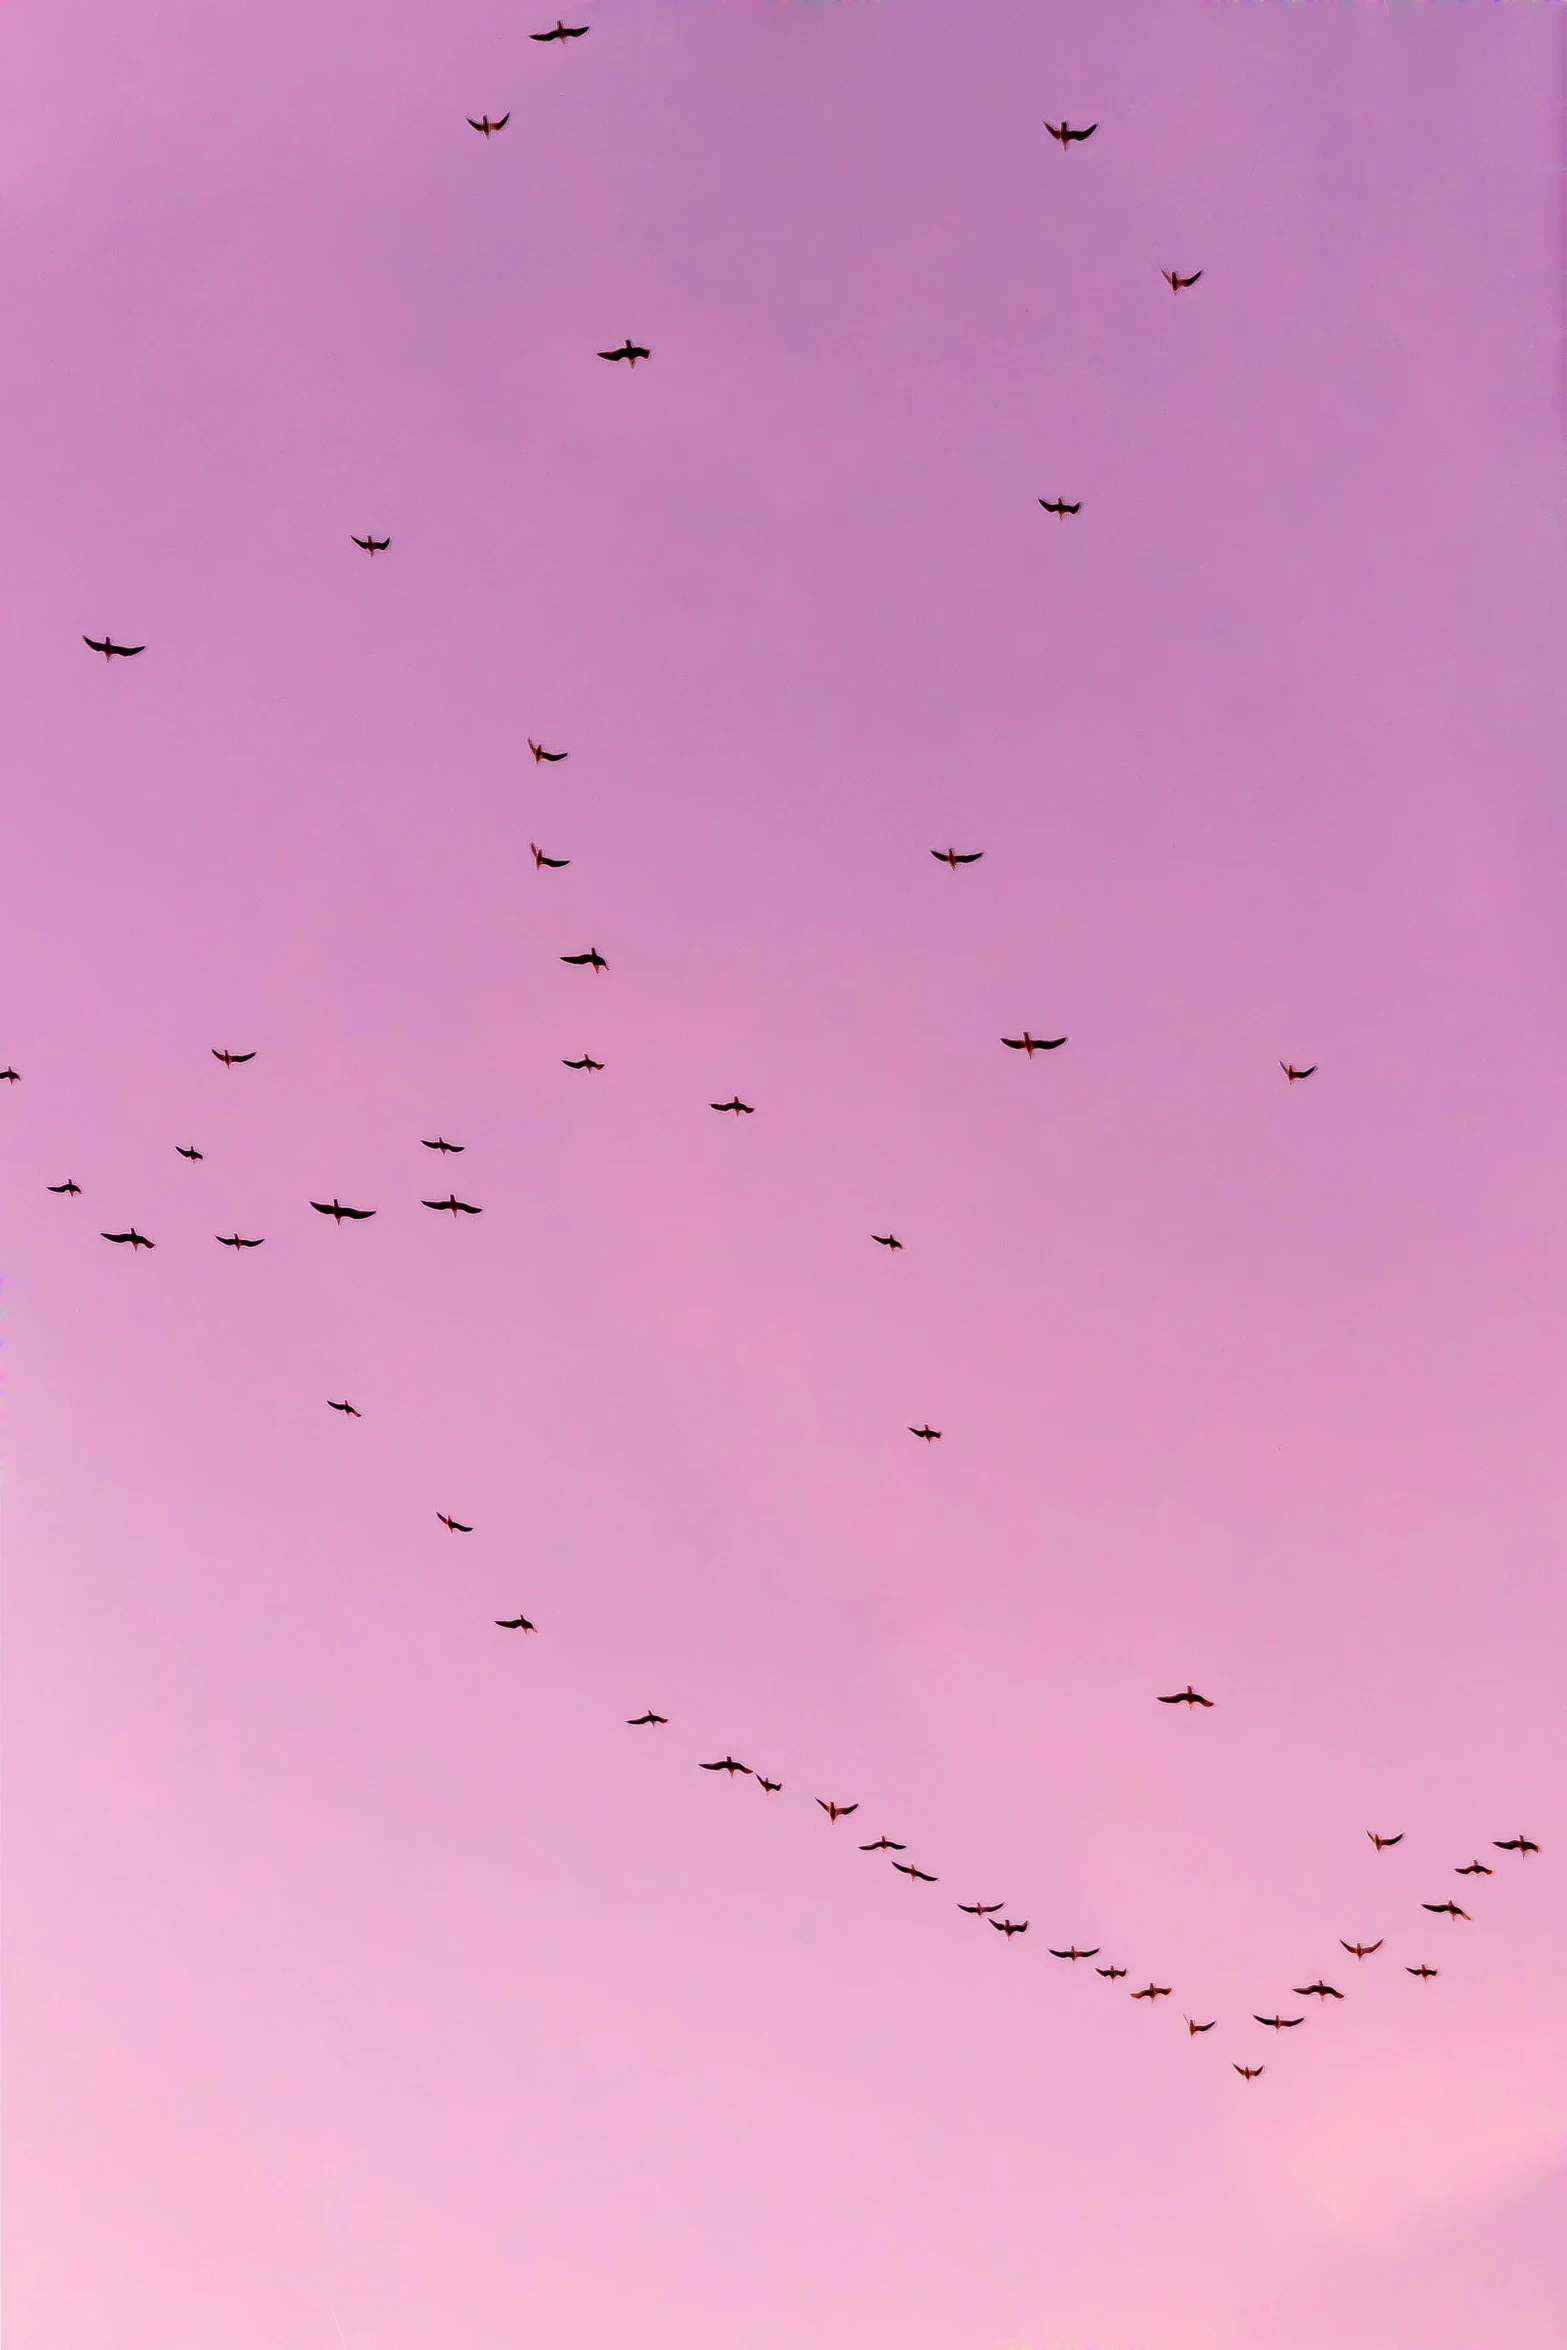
[1174,280]
[188,1150]
[1427,1974]
[957,857]
[629,351]
[231,1060]
[741,1109]
[768,1786]
[1194,2029]
[587,1062]
[441,1144]
[592,956]
[10,1076]
[336,1210]
[453,1206]
[647,1721]
[1280,2023]
[67,1186]
[1153,1991]
[927,1434]
[371,545]
[1062,505]
[728,1764]
[1475,1868]
[1010,1926]
[1074,1952]
[980,1909]
[133,1240]
[1187,1697]
[886,1240]
[539,752]
[453,1525]
[1362,1949]
[1317,1990]
[1112,1974]
[541,862]
[110,650]
[1518,1844]
[1383,1842]
[884,1844]
[1065,136]
[560,31]
[906,1868]
[836,1811]
[489,127]
[514,1624]
[1033,1044]
[1295,1075]
[1251,2072]
[346,1408]
[1445,1909]
[233,1240]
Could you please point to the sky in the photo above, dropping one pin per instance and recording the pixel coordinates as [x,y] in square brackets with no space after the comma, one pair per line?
[369,1983]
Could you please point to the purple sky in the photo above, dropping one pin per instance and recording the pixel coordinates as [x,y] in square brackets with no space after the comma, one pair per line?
[365,1971]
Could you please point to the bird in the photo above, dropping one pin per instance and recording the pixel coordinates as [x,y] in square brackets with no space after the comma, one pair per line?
[980,1909]
[1064,135]
[768,1786]
[231,1060]
[1251,2072]
[110,650]
[1317,1990]
[188,1150]
[1074,1952]
[560,31]
[592,956]
[10,1076]
[1382,1842]
[1174,280]
[587,1062]
[647,1721]
[441,1144]
[741,1109]
[453,1525]
[1362,1949]
[1062,505]
[539,752]
[453,1206]
[1295,1075]
[1010,1926]
[1445,1909]
[957,857]
[66,1186]
[540,861]
[1475,1868]
[1187,1697]
[884,1844]
[346,1408]
[928,1434]
[1153,1991]
[132,1239]
[487,126]
[233,1240]
[1033,1044]
[628,350]
[336,1210]
[886,1240]
[836,1811]
[1280,2023]
[373,546]
[1426,1973]
[1518,1844]
[514,1624]
[727,1763]
[1194,2029]
[1112,1974]
[906,1868]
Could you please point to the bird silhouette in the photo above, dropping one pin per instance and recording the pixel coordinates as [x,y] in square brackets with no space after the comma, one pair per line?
[629,351]
[980,1909]
[560,31]
[727,1763]
[647,1721]
[1033,1044]
[1317,1990]
[1427,1974]
[441,1144]
[1445,1909]
[592,957]
[453,1206]
[233,1240]
[1174,280]
[927,1434]
[10,1076]
[1280,2023]
[906,1868]
[540,753]
[836,1811]
[1062,505]
[133,1240]
[346,1408]
[1383,1843]
[1010,1926]
[1112,1974]
[587,1062]
[488,127]
[1194,2029]
[110,650]
[231,1060]
[1187,1697]
[188,1150]
[768,1786]
[1153,1991]
[884,1844]
[514,1624]
[1295,1075]
[67,1186]
[1518,1844]
[1065,136]
[542,863]
[1475,1868]
[741,1109]
[1251,2072]
[374,546]
[957,857]
[453,1525]
[1362,1949]
[1074,1952]
[336,1210]
[886,1240]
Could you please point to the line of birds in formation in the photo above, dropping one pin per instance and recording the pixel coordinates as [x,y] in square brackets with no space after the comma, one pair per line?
[988,1912]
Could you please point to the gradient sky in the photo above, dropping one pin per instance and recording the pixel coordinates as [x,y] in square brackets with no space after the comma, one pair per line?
[367,1978]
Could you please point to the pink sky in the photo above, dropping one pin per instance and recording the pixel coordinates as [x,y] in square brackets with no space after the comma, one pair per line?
[364,1970]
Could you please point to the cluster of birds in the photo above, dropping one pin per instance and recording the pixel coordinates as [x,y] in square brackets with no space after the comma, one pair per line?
[992,1913]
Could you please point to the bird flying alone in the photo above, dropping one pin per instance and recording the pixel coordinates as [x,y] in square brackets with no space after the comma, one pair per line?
[110,650]
[906,1868]
[543,863]
[232,1240]
[1383,1843]
[927,1435]
[1174,280]
[592,957]
[560,31]
[346,1408]
[647,1721]
[540,754]
[70,1188]
[836,1811]
[629,351]
[1295,1075]
[1362,1949]
[514,1624]
[372,546]
[587,1062]
[133,1240]
[1033,1044]
[1061,506]
[957,857]
[1153,1991]
[1518,1844]
[484,123]
[741,1109]
[1065,136]
[1187,1697]
[453,1525]
[727,1763]
[453,1206]
[231,1060]
[336,1210]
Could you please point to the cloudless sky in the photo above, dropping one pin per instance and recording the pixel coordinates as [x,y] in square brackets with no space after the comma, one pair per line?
[367,1976]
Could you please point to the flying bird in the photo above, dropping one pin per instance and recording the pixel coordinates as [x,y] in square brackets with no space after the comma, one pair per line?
[1064,135]
[540,861]
[231,1060]
[1074,1952]
[1062,505]
[539,752]
[1445,1909]
[441,1144]
[1427,1974]
[886,1240]
[66,1186]
[132,1239]
[1251,2072]
[336,1210]
[188,1150]
[980,1909]
[453,1525]
[1153,1991]
[884,1844]
[1194,2029]
[906,1868]
[1475,1868]
[1362,1949]
[345,1407]
[1010,1926]
[1187,1697]
[487,126]
[1112,1974]
[1295,1075]
[514,1624]
[836,1811]
[768,1786]
[453,1206]
[728,1764]
[628,350]
[1033,1044]
[1280,2023]
[1382,1842]
[741,1109]
[1174,280]
[1317,1990]
[957,857]
[928,1434]
[110,650]
[374,546]
[592,956]
[561,31]
[647,1721]
[587,1062]
[1518,1844]
[233,1240]
[10,1076]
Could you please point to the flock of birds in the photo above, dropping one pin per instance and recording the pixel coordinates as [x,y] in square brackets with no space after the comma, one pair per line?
[991,1913]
